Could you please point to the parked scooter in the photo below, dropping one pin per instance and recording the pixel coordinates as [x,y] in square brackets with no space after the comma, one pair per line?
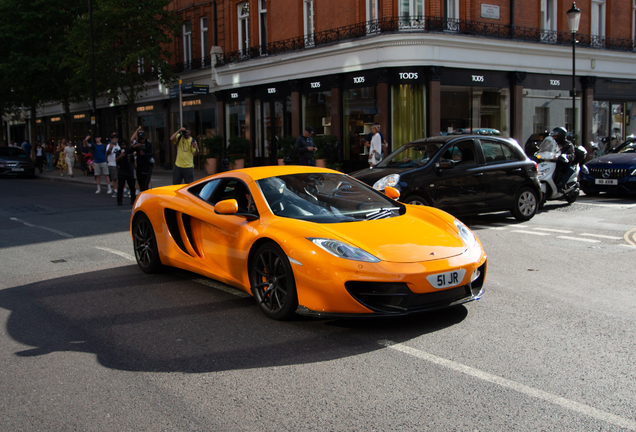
[546,158]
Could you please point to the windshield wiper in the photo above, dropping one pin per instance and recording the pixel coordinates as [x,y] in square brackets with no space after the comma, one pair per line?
[381,213]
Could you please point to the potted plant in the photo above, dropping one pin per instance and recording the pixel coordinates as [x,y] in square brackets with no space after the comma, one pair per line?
[213,146]
[327,153]
[237,150]
[287,151]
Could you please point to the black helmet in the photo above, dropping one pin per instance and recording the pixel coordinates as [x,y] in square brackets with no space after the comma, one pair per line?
[559,134]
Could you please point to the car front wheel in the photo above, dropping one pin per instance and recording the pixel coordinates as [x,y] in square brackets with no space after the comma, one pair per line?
[525,205]
[145,243]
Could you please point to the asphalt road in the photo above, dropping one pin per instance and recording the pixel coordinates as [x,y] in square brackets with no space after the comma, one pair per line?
[91,343]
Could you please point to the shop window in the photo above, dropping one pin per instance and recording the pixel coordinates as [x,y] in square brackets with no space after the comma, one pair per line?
[360,111]
[308,6]
[408,113]
[262,25]
[235,119]
[549,108]
[244,28]
[540,120]
[598,23]
[569,121]
[317,112]
[466,109]
[187,44]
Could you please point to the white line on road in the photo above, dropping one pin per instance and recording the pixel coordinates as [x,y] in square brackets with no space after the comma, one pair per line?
[487,227]
[531,232]
[605,204]
[602,236]
[129,257]
[62,233]
[554,230]
[629,246]
[513,385]
[579,239]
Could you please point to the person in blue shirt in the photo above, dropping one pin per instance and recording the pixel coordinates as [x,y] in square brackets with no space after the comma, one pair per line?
[100,164]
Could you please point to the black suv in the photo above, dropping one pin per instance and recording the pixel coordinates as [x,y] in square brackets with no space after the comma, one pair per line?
[461,175]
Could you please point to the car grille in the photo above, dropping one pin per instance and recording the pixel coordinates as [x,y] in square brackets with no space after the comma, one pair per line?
[609,173]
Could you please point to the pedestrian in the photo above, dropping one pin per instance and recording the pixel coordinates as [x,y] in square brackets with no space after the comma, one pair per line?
[375,150]
[70,157]
[125,159]
[100,164]
[186,149]
[111,157]
[305,148]
[39,155]
[26,146]
[145,157]
[84,150]
[49,151]
[61,160]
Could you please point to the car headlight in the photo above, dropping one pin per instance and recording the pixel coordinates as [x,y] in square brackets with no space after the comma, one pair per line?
[390,180]
[343,250]
[465,233]
[633,173]
[584,170]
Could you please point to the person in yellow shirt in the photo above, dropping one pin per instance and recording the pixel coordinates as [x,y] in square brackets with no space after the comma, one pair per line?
[186,149]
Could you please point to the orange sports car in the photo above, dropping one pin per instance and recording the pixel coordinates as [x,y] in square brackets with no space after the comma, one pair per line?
[311,241]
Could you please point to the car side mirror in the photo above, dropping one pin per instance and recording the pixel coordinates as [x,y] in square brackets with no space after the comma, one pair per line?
[392,192]
[445,164]
[230,207]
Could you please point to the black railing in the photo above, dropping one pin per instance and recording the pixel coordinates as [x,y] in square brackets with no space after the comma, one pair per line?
[424,25]
[194,64]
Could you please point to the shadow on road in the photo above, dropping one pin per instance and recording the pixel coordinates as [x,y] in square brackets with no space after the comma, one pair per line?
[165,323]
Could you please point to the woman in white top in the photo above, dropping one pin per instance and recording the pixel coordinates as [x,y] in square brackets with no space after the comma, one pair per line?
[69,154]
[375,151]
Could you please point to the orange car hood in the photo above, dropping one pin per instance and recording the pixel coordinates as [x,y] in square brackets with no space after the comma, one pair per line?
[402,239]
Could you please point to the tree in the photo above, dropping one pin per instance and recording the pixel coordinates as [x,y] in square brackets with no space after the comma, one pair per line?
[131,38]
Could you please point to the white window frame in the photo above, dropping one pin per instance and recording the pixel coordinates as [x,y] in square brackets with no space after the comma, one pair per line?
[262,25]
[597,25]
[548,21]
[308,22]
[451,9]
[411,14]
[373,15]
[243,14]
[204,37]
[187,43]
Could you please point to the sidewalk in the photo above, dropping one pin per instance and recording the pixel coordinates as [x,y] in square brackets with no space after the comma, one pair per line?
[160,177]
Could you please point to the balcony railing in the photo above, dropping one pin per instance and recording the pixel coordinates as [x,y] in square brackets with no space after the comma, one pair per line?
[415,24]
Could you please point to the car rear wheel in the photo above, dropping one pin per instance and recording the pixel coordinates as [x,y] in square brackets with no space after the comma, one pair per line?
[145,243]
[525,205]
[416,200]
[272,282]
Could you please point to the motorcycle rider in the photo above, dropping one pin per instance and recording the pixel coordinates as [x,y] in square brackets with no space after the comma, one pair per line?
[566,160]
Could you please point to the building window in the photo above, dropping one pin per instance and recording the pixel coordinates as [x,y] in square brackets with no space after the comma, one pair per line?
[187,44]
[373,14]
[548,21]
[598,23]
[262,25]
[540,120]
[451,14]
[205,46]
[411,14]
[309,22]
[244,28]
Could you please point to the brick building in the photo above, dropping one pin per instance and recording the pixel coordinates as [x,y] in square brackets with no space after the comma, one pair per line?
[418,67]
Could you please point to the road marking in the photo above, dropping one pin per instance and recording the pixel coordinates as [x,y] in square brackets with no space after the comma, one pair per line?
[579,239]
[62,233]
[602,236]
[129,257]
[531,232]
[487,227]
[513,385]
[221,287]
[554,230]
[629,246]
[605,204]
[631,241]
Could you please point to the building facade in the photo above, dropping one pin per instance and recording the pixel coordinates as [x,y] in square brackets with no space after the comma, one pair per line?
[418,67]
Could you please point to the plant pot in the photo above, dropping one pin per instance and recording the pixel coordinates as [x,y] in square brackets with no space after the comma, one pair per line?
[322,163]
[237,164]
[281,161]
[210,166]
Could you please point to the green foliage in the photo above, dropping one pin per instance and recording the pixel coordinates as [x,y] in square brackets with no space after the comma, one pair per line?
[328,149]
[214,146]
[237,148]
[287,150]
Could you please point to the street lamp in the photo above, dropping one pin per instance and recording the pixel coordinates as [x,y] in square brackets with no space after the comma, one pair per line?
[574,16]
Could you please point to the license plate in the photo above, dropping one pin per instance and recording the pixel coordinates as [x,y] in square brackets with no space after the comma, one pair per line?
[446,280]
[606,182]
[17,169]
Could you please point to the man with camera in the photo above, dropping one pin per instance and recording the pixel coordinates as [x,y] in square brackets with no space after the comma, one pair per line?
[144,157]
[186,149]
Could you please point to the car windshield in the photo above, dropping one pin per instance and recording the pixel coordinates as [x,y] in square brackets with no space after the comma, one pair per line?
[627,148]
[12,151]
[326,198]
[411,155]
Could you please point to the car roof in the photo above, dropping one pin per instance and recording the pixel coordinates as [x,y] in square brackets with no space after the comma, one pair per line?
[446,138]
[257,173]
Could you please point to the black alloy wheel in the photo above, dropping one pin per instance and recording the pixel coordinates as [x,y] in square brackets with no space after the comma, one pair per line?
[272,282]
[525,205]
[145,245]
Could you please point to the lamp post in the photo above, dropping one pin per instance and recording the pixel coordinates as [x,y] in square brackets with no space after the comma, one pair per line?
[574,16]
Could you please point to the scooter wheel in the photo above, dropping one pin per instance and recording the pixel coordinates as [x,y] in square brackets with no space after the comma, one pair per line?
[572,197]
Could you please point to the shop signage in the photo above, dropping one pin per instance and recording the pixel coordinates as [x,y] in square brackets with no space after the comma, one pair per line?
[79,116]
[191,102]
[358,80]
[478,78]
[556,83]
[408,75]
[271,90]
[191,88]
[55,119]
[315,84]
[489,11]
[38,121]
[145,108]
